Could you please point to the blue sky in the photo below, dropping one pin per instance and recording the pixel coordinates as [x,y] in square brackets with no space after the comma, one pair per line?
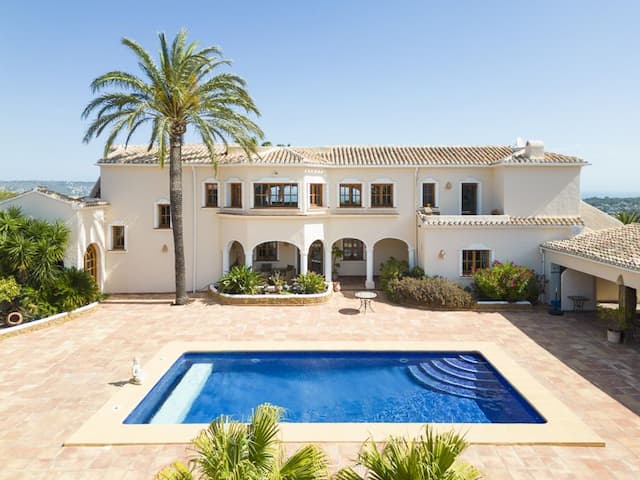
[346,72]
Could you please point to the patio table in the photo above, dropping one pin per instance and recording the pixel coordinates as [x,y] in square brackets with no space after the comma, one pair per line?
[366,300]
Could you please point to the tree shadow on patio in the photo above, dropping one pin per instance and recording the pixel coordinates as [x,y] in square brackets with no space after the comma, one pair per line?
[579,341]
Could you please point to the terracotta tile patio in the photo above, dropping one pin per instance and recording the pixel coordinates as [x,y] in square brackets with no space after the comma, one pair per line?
[55,378]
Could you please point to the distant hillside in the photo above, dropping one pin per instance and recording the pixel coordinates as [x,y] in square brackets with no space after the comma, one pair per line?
[73,189]
[613,205]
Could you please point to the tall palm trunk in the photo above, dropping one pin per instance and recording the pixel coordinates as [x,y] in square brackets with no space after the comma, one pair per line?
[175,199]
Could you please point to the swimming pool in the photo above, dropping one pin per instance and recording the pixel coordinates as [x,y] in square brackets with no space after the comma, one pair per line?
[335,387]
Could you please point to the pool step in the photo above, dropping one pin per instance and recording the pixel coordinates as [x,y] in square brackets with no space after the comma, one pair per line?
[457,373]
[176,406]
[430,371]
[472,359]
[460,364]
[421,377]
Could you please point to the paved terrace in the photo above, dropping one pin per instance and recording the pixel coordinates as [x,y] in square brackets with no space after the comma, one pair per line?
[54,379]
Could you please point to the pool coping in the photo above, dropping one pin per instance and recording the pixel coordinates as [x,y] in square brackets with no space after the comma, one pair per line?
[563,427]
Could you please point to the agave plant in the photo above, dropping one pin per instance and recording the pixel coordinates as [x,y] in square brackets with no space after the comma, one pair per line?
[431,456]
[229,450]
[628,217]
[241,280]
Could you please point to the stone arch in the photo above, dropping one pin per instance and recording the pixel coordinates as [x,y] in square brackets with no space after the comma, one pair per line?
[385,248]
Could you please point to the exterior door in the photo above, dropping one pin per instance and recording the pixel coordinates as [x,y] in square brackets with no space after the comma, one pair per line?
[91,262]
[469,199]
[315,258]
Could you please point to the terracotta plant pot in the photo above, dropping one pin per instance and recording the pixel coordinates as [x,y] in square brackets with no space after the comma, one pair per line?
[337,287]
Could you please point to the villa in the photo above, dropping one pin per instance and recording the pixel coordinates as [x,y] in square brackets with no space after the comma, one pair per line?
[449,210]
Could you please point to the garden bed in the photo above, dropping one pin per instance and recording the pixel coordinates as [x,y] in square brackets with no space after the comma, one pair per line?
[272,298]
[491,305]
[43,321]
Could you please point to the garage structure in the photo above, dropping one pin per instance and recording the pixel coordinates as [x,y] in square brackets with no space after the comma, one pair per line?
[595,267]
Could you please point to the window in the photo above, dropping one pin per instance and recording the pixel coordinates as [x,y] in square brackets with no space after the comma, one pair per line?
[164,215]
[210,194]
[350,195]
[352,249]
[117,237]
[469,192]
[267,252]
[473,260]
[235,196]
[269,195]
[315,194]
[429,195]
[381,195]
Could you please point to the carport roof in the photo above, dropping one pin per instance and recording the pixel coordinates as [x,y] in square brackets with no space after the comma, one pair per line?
[618,246]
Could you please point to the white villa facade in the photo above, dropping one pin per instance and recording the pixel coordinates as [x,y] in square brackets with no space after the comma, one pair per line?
[448,210]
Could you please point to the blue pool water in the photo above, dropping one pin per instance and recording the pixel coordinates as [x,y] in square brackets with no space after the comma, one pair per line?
[336,387]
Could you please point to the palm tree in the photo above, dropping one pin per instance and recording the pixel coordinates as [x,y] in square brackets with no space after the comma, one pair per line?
[627,216]
[229,450]
[184,89]
[431,456]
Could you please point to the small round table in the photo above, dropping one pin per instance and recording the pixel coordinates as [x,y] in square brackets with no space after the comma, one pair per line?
[366,300]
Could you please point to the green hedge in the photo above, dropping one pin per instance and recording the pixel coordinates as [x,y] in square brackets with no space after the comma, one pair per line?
[435,292]
[506,281]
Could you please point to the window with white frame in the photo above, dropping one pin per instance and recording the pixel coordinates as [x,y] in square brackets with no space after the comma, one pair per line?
[429,198]
[316,195]
[235,194]
[350,194]
[473,260]
[381,195]
[469,198]
[161,215]
[210,194]
[118,240]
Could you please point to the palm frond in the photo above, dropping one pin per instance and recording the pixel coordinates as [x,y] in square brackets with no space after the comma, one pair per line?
[308,463]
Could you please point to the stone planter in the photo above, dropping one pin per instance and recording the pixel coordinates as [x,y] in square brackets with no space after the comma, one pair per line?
[271,298]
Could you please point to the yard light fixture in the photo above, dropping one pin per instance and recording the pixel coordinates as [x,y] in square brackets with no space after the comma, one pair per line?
[137,375]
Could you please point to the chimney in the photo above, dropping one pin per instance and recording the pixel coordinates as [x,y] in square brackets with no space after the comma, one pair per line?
[534,150]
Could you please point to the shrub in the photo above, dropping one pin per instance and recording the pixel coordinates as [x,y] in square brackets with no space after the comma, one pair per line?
[73,289]
[435,292]
[392,269]
[506,281]
[9,289]
[310,282]
[241,280]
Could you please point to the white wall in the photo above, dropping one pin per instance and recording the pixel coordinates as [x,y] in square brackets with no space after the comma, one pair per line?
[545,191]
[574,283]
[606,291]
[517,244]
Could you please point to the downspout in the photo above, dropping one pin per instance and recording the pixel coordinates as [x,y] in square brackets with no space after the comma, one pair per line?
[416,255]
[195,230]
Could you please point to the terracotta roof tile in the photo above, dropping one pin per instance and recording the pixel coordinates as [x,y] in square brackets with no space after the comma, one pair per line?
[346,156]
[618,246]
[497,220]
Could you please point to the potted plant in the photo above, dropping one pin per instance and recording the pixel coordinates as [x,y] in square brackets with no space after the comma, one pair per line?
[617,323]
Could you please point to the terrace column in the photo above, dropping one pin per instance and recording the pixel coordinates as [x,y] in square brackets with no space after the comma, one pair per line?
[369,283]
[304,264]
[412,257]
[225,259]
[328,263]
[248,259]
